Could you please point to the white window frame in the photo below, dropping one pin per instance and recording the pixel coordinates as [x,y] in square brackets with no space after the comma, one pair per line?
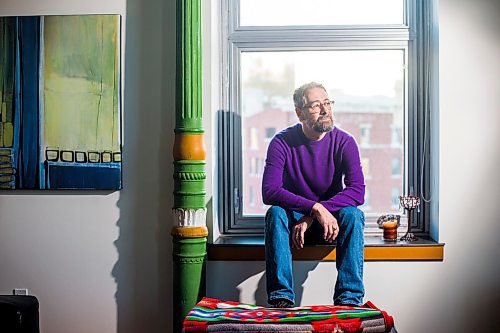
[413,39]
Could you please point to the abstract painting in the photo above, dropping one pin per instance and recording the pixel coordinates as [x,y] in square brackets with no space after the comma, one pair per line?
[60,102]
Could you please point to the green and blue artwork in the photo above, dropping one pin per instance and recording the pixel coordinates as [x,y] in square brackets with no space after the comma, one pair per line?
[60,97]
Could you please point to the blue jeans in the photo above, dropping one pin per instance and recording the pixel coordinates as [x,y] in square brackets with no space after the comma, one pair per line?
[349,287]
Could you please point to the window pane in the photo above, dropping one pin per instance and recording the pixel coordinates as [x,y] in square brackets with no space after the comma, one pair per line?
[320,12]
[368,89]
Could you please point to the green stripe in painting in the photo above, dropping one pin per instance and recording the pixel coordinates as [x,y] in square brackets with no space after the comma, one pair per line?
[81,62]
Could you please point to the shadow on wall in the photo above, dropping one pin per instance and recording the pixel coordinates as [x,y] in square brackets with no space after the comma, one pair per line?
[143,272]
[251,277]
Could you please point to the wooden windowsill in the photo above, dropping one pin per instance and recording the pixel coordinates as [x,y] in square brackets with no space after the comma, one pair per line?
[251,248]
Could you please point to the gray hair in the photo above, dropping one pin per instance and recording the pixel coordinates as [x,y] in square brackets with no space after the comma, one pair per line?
[299,95]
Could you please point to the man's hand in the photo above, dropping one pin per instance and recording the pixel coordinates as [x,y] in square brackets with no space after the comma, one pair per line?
[327,220]
[299,230]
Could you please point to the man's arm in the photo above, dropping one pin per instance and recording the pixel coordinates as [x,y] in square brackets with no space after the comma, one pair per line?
[354,192]
[273,192]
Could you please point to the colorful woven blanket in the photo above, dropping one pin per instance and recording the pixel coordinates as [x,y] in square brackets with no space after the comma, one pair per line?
[213,315]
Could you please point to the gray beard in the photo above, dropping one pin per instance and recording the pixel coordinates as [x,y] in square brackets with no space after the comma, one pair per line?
[321,127]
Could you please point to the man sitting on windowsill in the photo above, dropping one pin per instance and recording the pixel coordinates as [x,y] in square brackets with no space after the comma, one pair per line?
[302,180]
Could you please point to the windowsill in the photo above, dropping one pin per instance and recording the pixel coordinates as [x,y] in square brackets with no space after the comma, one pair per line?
[251,248]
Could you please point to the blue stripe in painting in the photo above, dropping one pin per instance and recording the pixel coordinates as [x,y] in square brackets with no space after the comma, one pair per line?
[41,110]
[99,176]
[29,44]
[17,105]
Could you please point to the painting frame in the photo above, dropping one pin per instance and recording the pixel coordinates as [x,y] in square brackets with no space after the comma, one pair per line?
[61,102]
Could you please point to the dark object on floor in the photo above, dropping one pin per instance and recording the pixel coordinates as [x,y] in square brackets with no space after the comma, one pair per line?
[281,303]
[19,314]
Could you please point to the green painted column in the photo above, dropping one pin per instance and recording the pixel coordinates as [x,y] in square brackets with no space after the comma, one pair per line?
[189,231]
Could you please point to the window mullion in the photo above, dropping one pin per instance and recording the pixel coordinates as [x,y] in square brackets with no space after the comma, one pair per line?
[321,35]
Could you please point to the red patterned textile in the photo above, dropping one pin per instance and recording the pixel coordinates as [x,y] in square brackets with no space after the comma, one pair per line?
[213,315]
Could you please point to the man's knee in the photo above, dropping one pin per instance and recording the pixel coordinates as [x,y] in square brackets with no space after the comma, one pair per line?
[276,216]
[353,216]
[275,212]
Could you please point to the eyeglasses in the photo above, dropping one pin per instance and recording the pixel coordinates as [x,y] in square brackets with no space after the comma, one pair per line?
[315,107]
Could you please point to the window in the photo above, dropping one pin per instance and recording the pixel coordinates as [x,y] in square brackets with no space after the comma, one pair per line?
[270,131]
[253,166]
[365,53]
[254,138]
[395,193]
[364,134]
[395,167]
[396,136]
[365,164]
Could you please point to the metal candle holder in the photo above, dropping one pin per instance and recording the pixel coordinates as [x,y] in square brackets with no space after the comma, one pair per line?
[409,202]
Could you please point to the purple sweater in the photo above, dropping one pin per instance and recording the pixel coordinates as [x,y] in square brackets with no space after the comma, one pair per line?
[300,172]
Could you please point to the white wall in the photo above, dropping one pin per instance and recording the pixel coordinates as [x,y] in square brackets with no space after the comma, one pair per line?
[462,293]
[101,262]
